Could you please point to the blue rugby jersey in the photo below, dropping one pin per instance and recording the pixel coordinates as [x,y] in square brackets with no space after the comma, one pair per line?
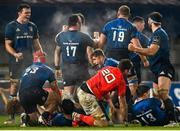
[149,112]
[73,46]
[36,75]
[22,36]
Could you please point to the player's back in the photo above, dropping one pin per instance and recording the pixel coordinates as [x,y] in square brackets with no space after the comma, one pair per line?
[106,80]
[60,120]
[118,33]
[73,46]
[149,112]
[36,75]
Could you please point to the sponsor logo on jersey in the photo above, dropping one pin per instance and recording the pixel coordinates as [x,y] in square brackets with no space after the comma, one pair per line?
[31,29]
[17,30]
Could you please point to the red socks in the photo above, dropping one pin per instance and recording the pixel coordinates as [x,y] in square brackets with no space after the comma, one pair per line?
[87,119]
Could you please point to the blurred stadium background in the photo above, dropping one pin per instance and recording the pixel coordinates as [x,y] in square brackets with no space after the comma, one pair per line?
[50,15]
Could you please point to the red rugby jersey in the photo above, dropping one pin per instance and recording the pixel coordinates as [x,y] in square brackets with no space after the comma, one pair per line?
[106,80]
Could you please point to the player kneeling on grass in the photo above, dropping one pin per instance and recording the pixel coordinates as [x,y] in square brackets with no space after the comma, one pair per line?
[31,91]
[91,93]
[150,111]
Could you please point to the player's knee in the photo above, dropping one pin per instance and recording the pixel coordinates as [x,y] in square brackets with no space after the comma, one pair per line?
[12,104]
[163,94]
[101,123]
[15,81]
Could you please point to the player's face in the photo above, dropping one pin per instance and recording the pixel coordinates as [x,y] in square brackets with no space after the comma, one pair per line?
[141,25]
[97,60]
[25,14]
[149,23]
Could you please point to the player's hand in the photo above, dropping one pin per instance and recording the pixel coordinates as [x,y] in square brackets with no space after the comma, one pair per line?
[58,74]
[113,109]
[96,37]
[146,63]
[18,56]
[65,28]
[131,47]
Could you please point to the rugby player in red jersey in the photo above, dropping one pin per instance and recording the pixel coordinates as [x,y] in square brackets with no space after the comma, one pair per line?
[96,88]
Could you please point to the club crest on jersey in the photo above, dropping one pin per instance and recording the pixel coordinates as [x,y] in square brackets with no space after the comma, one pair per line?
[31,29]
[17,30]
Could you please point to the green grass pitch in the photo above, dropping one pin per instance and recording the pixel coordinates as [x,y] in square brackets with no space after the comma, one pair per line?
[117,127]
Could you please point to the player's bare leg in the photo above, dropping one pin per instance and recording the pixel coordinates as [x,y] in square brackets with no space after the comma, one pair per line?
[164,84]
[68,92]
[52,102]
[13,95]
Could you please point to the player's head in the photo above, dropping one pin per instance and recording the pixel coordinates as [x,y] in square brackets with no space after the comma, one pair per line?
[74,20]
[81,17]
[143,91]
[139,23]
[124,11]
[98,57]
[39,56]
[125,65]
[24,11]
[67,106]
[154,18]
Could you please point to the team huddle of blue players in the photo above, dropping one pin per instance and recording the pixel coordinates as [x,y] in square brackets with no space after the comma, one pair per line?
[75,52]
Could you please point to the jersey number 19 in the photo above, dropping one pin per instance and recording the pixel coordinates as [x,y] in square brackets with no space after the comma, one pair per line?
[118,35]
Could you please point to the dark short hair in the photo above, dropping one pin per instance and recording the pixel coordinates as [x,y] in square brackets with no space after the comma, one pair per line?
[67,106]
[124,10]
[22,6]
[97,52]
[125,64]
[82,17]
[142,88]
[73,20]
[156,17]
[138,19]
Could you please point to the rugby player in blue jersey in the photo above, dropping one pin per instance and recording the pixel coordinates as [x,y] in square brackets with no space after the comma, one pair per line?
[21,38]
[117,34]
[139,23]
[160,65]
[31,92]
[150,111]
[72,46]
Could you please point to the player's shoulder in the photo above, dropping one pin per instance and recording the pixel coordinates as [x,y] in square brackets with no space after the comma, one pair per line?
[159,31]
[32,23]
[11,24]
[60,33]
[84,36]
[47,67]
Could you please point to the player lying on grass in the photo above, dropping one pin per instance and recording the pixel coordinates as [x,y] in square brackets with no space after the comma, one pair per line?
[31,91]
[150,111]
[63,118]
